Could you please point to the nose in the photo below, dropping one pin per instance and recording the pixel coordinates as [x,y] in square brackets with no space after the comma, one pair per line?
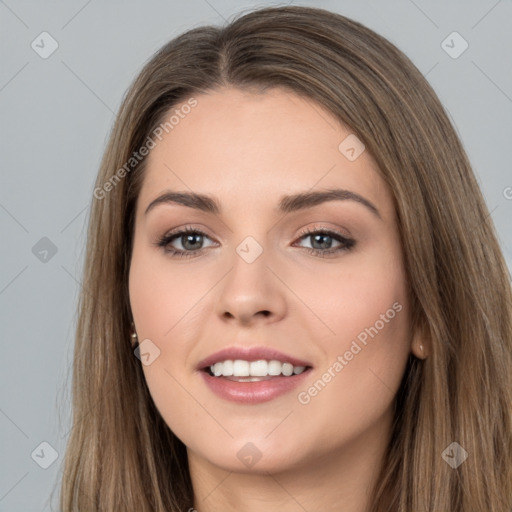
[251,293]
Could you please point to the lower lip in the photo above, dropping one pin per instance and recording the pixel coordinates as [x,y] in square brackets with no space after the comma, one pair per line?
[253,392]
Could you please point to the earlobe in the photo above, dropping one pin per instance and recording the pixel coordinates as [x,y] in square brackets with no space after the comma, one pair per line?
[134,338]
[419,349]
[419,346]
[422,354]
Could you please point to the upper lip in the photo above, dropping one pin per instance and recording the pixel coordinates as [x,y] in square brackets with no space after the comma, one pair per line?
[250,354]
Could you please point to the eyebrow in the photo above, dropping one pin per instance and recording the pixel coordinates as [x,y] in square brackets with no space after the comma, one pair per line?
[287,204]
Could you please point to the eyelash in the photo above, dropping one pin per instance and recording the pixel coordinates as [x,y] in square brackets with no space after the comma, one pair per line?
[166,239]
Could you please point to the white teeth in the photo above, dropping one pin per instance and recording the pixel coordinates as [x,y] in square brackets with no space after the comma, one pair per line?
[227,368]
[217,369]
[274,367]
[240,368]
[260,368]
[287,369]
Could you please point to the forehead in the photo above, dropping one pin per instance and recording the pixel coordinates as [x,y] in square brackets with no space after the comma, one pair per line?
[250,148]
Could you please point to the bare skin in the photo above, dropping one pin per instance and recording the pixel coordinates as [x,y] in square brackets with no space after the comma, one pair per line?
[320,451]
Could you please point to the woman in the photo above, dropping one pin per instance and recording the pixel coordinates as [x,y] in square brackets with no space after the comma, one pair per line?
[288,230]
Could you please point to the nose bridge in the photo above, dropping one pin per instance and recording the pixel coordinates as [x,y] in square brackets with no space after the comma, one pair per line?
[250,289]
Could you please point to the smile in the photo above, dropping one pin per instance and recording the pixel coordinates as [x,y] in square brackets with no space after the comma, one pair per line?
[254,369]
[252,375]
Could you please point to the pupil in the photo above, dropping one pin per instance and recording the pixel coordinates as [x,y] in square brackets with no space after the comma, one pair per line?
[325,244]
[185,239]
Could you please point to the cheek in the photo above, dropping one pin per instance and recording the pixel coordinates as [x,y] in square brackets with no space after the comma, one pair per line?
[160,296]
[354,294]
[375,317]
[374,309]
[366,356]
[148,301]
[160,302]
[363,299]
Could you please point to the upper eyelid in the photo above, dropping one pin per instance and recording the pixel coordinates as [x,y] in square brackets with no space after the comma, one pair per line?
[322,229]
[185,229]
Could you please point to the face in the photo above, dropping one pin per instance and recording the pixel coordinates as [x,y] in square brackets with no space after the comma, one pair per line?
[316,285]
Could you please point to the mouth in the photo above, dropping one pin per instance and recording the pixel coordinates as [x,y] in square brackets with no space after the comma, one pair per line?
[254,375]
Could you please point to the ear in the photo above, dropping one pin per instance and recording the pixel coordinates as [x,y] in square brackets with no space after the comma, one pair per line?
[420,344]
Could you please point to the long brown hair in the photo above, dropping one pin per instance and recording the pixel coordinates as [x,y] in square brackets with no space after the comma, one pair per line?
[122,456]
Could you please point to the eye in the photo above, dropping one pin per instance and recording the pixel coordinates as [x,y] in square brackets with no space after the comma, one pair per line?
[322,240]
[189,240]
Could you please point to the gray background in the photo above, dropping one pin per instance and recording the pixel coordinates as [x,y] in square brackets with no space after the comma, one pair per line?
[56,114]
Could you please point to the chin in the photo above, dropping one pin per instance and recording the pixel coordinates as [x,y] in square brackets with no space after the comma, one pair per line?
[252,456]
